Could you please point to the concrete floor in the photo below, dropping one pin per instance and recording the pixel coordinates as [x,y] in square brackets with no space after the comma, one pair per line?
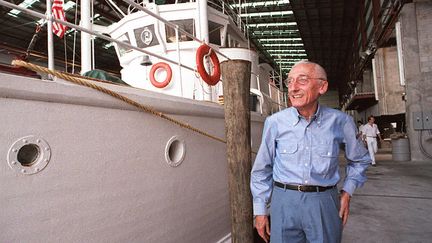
[395,204]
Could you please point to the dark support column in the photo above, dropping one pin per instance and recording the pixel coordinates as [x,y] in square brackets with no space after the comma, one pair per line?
[362,25]
[376,8]
[236,85]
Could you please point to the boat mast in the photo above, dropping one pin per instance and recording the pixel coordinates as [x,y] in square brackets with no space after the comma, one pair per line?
[85,37]
[204,36]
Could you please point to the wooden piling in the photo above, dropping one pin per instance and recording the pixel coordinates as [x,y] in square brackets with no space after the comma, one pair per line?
[236,85]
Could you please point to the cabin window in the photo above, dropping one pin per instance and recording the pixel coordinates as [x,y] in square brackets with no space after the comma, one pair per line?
[214,33]
[145,36]
[185,24]
[232,42]
[123,49]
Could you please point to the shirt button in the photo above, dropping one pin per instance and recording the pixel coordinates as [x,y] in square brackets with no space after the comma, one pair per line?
[305,164]
[284,151]
[307,148]
[328,153]
[306,181]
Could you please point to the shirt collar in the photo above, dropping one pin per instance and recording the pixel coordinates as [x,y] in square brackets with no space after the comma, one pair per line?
[316,117]
[295,116]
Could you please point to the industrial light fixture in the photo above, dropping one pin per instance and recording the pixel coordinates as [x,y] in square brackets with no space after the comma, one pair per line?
[265,14]
[25,4]
[261,3]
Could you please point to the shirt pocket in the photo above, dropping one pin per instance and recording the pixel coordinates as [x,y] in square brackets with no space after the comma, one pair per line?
[287,150]
[326,158]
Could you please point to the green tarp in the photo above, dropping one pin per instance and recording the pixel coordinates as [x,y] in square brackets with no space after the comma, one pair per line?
[100,74]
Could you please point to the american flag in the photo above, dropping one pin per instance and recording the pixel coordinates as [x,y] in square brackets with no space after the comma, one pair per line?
[58,13]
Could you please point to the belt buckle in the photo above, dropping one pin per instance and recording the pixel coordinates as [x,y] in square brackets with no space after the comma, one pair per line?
[299,188]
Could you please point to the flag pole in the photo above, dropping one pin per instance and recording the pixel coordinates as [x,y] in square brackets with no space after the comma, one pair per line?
[50,36]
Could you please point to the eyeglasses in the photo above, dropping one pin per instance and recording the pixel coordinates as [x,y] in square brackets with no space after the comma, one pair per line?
[303,80]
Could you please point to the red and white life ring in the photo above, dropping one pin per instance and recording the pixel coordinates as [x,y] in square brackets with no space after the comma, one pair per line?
[214,78]
[167,80]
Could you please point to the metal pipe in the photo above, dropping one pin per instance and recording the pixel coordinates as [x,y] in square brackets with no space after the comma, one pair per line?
[50,35]
[116,7]
[204,34]
[92,40]
[157,30]
[279,101]
[86,57]
[178,60]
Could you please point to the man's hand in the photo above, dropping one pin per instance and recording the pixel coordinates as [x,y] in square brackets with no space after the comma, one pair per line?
[263,227]
[344,208]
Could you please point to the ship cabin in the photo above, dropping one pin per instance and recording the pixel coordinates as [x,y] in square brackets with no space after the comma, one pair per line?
[173,44]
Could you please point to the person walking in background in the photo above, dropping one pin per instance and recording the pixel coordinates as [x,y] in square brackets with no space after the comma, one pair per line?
[297,167]
[370,133]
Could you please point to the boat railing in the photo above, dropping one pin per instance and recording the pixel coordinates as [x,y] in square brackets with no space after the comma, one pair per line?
[277,96]
[229,10]
[178,30]
[120,43]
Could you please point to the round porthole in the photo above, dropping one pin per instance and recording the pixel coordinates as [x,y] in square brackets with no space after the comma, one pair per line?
[29,155]
[175,151]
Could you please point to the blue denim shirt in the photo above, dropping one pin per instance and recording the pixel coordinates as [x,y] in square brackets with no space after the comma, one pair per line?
[296,151]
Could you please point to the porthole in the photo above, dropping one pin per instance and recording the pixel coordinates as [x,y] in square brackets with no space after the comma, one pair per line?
[175,151]
[29,155]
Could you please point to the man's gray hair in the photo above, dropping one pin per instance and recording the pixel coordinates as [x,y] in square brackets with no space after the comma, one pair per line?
[318,68]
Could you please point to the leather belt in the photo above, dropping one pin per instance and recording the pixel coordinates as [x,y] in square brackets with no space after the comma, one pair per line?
[370,137]
[303,188]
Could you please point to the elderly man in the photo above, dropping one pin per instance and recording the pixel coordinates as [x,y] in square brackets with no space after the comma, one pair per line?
[297,165]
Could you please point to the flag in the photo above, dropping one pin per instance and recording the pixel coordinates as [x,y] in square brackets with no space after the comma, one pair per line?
[58,13]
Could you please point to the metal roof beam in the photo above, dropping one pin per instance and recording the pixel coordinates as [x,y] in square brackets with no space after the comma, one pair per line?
[272,28]
[261,35]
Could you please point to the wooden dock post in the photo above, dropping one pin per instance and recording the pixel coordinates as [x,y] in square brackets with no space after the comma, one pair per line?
[236,85]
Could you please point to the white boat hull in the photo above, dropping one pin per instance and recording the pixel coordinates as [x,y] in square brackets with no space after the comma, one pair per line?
[107,179]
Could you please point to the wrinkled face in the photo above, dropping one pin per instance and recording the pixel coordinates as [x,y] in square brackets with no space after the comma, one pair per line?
[305,85]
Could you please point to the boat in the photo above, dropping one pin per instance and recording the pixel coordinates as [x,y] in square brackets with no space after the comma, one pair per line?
[82,166]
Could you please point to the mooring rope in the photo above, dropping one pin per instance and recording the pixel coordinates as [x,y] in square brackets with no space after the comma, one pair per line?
[81,81]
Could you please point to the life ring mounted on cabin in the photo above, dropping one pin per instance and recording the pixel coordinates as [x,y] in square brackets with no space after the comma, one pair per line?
[203,51]
[167,80]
